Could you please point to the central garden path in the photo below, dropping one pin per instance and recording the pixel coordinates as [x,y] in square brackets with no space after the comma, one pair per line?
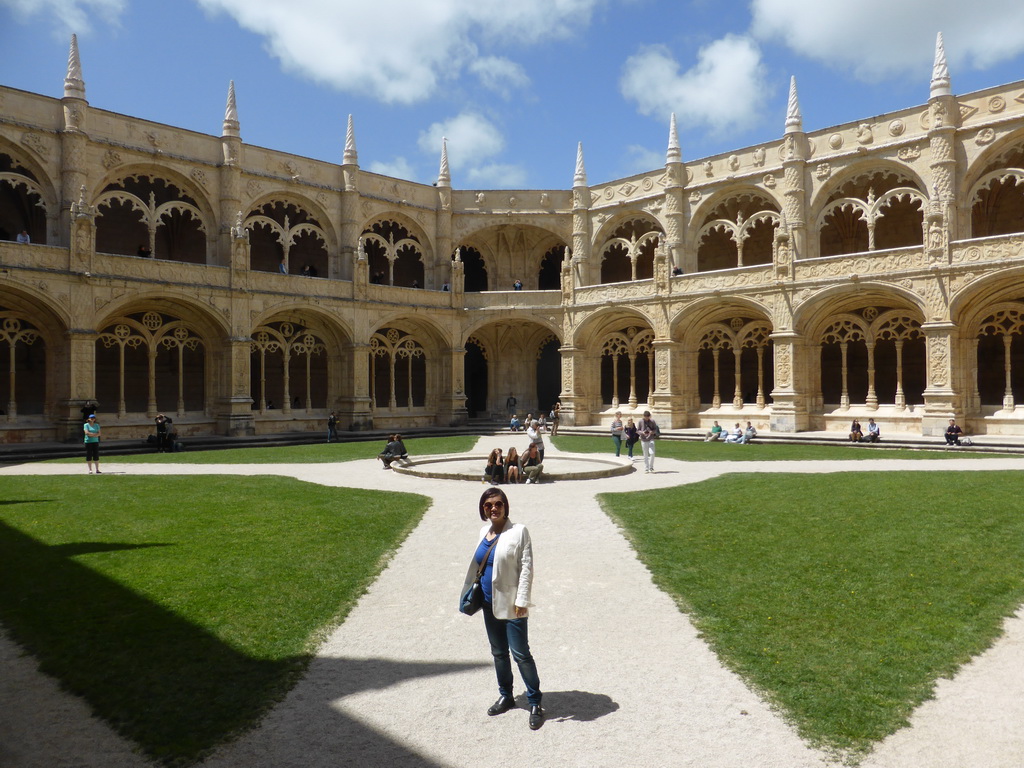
[406,680]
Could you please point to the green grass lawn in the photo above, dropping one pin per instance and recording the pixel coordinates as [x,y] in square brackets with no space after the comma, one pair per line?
[689,450]
[843,610]
[181,608]
[318,453]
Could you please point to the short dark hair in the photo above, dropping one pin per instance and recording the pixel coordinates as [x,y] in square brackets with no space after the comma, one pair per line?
[489,493]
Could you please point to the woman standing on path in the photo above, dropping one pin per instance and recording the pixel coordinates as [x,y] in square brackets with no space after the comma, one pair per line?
[617,432]
[92,443]
[506,581]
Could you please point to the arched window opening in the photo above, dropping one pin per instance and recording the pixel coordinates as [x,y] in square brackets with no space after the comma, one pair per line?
[399,371]
[550,276]
[629,253]
[549,373]
[874,211]
[734,364]
[1001,359]
[288,368]
[22,205]
[145,215]
[287,239]
[23,388]
[737,233]
[843,363]
[475,370]
[473,269]
[154,362]
[394,256]
[997,200]
[627,363]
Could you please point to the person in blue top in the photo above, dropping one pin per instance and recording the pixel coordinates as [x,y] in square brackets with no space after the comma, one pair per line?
[91,428]
[506,582]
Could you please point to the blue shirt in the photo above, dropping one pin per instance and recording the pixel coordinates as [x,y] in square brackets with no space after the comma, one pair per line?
[488,574]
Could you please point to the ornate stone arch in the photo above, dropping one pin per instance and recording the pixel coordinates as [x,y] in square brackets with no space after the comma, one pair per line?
[152,210]
[995,200]
[873,206]
[289,234]
[396,255]
[28,200]
[628,251]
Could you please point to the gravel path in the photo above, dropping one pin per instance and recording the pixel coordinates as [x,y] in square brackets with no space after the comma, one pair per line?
[406,679]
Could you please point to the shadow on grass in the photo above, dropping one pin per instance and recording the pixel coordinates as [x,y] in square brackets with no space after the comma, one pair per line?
[166,684]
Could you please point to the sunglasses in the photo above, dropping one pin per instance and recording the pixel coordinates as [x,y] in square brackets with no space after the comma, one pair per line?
[494,505]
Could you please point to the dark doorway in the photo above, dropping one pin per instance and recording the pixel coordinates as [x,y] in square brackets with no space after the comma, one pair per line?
[549,375]
[476,380]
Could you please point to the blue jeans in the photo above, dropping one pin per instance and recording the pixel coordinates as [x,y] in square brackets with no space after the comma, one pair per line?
[618,443]
[511,635]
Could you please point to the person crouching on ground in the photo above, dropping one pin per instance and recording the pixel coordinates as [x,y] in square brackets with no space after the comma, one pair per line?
[506,551]
[531,465]
[394,451]
[494,472]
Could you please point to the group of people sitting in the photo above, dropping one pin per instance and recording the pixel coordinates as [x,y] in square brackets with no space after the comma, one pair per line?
[394,451]
[857,435]
[735,435]
[514,467]
[543,425]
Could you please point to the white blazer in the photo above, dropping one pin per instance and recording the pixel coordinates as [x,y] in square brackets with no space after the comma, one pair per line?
[512,576]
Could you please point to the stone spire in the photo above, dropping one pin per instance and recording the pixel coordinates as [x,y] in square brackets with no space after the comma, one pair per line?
[74,85]
[444,177]
[794,120]
[940,71]
[674,154]
[350,156]
[230,125]
[580,179]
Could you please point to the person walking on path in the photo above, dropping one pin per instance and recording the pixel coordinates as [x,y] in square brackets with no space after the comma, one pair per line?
[649,432]
[506,552]
[632,436]
[91,428]
[617,432]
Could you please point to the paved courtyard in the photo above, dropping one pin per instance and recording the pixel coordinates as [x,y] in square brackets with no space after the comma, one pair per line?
[406,680]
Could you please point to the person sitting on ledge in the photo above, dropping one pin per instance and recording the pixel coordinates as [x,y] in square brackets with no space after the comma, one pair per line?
[953,433]
[494,472]
[714,434]
[856,433]
[394,451]
[512,473]
[873,435]
[736,435]
[514,424]
[749,433]
[531,465]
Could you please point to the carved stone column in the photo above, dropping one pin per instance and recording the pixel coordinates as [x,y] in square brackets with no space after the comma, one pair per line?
[354,409]
[230,180]
[789,398]
[75,376]
[575,411]
[668,401]
[452,411]
[941,400]
[82,228]
[234,403]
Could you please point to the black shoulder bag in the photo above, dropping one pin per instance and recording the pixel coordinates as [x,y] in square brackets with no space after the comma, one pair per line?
[473,598]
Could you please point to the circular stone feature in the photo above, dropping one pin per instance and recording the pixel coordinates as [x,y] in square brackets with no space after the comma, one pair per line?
[564,466]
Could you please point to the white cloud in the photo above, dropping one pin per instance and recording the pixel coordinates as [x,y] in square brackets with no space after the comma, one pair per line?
[724,90]
[472,138]
[879,38]
[72,16]
[496,176]
[499,75]
[399,168]
[398,51]
[639,158]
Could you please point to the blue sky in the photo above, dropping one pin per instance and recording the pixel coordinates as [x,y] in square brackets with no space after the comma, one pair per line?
[513,84]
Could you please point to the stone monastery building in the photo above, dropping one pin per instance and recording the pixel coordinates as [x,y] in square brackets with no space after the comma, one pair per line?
[869,269]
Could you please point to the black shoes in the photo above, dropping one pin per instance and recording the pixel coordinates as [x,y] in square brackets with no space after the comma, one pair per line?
[536,717]
[501,706]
